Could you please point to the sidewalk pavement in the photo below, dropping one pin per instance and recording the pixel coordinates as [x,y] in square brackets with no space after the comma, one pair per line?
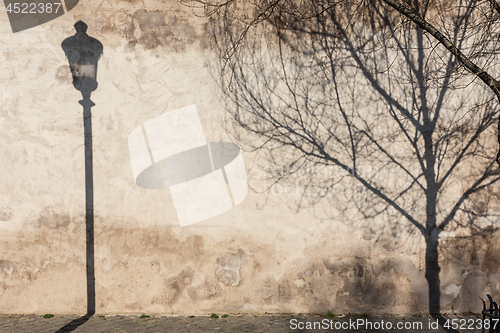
[231,323]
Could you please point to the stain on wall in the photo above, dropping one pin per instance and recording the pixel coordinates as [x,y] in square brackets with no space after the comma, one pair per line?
[7,266]
[153,28]
[5,214]
[228,271]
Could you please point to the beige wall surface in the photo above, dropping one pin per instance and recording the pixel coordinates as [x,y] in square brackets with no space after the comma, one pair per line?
[259,256]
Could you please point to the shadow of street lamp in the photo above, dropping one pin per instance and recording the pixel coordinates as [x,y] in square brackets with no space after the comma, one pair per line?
[83,52]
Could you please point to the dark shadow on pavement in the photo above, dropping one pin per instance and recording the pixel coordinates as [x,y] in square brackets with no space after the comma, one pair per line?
[442,321]
[74,324]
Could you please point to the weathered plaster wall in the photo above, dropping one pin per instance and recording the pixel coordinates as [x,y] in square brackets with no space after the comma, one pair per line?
[256,257]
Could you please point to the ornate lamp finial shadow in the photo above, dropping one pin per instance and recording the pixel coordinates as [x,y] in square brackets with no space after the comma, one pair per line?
[81,27]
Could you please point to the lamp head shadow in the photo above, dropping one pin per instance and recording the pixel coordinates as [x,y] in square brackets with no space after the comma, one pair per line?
[83,52]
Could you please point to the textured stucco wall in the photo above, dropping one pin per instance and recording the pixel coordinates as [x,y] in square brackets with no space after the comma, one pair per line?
[259,256]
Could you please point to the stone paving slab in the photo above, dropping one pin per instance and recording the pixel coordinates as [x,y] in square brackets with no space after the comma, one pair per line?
[232,323]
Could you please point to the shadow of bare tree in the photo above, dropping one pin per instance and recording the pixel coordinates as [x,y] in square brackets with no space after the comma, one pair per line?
[353,86]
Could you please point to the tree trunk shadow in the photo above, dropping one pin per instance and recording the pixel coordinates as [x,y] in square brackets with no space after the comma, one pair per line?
[442,321]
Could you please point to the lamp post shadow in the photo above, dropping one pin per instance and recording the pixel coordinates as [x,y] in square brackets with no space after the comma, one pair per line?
[83,52]
[89,204]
